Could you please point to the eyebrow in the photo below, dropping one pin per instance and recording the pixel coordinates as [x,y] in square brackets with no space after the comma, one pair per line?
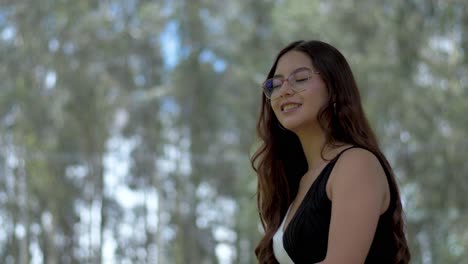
[294,71]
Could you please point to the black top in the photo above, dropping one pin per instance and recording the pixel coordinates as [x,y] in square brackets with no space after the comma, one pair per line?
[306,237]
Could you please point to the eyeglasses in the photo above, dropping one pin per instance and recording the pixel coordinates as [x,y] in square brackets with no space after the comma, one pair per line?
[296,80]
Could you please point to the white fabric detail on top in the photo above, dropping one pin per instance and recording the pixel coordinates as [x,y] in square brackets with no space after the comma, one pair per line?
[278,248]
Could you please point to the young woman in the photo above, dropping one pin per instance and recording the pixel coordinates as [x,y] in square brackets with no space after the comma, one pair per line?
[326,193]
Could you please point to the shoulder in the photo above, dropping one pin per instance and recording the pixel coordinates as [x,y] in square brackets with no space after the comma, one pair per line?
[358,158]
[360,170]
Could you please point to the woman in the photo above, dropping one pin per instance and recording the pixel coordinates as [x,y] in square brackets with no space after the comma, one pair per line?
[326,193]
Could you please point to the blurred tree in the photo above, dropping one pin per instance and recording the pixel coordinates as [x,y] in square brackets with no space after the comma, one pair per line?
[176,85]
[24,113]
[139,74]
[198,124]
[248,57]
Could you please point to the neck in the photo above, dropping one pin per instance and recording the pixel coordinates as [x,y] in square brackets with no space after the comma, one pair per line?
[312,141]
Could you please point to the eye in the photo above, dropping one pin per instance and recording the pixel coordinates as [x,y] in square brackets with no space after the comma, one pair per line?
[301,76]
[274,84]
[301,80]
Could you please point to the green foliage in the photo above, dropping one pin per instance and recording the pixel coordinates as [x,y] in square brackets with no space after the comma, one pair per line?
[105,145]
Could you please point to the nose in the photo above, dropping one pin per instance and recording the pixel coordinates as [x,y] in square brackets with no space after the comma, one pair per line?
[285,89]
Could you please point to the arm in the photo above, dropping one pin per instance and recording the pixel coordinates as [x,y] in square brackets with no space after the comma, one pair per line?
[359,192]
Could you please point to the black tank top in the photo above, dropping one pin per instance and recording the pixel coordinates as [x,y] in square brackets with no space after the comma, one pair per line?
[306,236]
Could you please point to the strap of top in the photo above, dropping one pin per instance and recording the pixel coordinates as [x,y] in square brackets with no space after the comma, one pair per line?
[341,152]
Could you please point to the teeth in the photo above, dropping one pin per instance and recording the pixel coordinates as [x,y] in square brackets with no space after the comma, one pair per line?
[290,106]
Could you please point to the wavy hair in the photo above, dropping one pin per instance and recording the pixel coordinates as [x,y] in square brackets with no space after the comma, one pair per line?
[280,161]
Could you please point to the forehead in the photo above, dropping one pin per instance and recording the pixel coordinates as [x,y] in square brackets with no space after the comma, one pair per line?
[291,61]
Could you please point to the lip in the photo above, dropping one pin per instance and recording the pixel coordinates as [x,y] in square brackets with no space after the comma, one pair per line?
[287,103]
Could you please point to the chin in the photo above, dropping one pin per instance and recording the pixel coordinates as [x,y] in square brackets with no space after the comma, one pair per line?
[292,126]
[296,125]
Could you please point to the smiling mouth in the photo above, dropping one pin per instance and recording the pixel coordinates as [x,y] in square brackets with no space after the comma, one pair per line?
[289,107]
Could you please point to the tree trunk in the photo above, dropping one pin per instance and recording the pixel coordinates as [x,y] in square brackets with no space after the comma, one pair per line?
[24,215]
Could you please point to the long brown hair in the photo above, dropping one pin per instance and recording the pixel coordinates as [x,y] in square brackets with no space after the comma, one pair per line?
[280,161]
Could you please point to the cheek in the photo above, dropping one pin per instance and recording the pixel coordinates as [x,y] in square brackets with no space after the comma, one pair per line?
[275,107]
[318,94]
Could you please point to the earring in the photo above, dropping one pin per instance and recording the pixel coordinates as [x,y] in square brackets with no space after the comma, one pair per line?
[334,108]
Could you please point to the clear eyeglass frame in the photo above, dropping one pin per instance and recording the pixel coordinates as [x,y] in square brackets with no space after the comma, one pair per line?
[296,79]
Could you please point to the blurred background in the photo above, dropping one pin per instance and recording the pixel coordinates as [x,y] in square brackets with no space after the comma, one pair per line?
[126,126]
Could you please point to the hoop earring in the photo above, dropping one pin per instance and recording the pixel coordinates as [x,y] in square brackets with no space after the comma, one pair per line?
[334,108]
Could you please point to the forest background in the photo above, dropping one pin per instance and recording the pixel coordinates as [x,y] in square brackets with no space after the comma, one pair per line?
[126,126]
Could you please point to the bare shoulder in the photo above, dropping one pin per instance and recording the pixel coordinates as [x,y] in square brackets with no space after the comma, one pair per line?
[358,156]
[358,169]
